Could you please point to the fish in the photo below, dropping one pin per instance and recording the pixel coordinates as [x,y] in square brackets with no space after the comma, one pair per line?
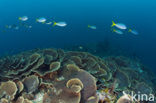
[119,25]
[23,18]
[118,31]
[25,25]
[8,26]
[30,26]
[12,27]
[61,24]
[41,20]
[91,26]
[133,32]
[49,23]
[16,28]
[80,47]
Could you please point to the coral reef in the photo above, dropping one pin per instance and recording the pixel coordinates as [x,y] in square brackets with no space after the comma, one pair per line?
[56,76]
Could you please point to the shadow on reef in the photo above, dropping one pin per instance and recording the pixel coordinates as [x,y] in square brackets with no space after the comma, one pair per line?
[56,76]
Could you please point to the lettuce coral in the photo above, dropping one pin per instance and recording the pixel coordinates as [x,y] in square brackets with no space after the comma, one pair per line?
[58,76]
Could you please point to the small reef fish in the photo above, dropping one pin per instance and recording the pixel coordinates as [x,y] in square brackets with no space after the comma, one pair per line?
[8,26]
[80,47]
[49,23]
[16,28]
[61,24]
[91,26]
[12,27]
[23,18]
[117,31]
[119,25]
[30,26]
[41,20]
[25,25]
[133,32]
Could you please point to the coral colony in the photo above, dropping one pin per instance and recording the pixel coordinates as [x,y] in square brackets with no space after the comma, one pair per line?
[57,76]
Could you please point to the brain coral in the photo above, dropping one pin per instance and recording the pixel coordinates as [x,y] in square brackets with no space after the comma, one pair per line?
[56,76]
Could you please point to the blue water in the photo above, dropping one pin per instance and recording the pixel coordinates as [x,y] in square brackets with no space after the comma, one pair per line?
[138,14]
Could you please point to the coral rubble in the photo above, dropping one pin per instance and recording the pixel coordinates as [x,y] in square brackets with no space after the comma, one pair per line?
[56,76]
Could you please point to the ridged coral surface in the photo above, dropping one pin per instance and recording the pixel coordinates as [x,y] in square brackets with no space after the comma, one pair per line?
[56,76]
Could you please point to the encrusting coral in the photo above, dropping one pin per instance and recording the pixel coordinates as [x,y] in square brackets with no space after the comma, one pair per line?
[56,76]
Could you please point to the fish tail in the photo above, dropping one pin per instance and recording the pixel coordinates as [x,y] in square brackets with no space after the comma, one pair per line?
[113,23]
[54,24]
[88,26]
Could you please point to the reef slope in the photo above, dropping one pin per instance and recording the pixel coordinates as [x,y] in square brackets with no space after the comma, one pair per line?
[57,76]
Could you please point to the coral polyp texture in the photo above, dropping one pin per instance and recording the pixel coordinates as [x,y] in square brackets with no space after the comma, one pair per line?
[57,76]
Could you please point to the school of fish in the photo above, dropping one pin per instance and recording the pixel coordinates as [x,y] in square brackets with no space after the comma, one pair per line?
[118,28]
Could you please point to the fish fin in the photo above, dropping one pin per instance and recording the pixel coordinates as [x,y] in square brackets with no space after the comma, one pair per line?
[113,24]
[36,20]
[129,30]
[88,26]
[114,30]
[54,24]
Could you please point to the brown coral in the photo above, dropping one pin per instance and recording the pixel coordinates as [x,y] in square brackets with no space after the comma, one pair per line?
[34,57]
[93,99]
[54,66]
[27,101]
[75,85]
[8,88]
[31,83]
[20,100]
[3,100]
[122,80]
[73,67]
[20,86]
[50,70]
[77,60]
